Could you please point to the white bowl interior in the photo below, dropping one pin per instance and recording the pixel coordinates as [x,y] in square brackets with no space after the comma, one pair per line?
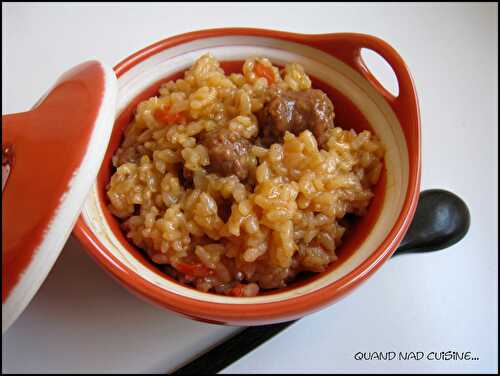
[321,65]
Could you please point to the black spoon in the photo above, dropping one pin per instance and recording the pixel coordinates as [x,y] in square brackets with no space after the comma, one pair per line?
[441,220]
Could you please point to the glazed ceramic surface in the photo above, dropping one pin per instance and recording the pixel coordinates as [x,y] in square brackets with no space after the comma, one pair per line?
[334,60]
[54,152]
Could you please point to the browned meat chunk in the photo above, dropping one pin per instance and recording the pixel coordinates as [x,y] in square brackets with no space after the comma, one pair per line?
[295,111]
[228,152]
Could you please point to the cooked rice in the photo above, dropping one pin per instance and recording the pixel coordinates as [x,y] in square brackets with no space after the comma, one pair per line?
[221,234]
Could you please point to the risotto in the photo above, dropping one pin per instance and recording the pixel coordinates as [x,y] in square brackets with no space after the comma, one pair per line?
[233,183]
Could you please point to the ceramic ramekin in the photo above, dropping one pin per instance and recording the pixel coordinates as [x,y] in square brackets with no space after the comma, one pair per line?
[334,60]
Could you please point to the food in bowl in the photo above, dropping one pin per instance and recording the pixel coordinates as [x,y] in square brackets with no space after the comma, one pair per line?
[236,183]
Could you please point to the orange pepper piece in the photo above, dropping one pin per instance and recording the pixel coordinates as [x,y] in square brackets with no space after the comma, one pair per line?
[237,290]
[193,270]
[163,115]
[262,71]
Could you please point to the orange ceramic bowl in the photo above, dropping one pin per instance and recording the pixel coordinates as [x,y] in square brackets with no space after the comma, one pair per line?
[334,63]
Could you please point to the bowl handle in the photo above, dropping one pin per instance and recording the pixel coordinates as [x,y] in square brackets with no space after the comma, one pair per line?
[348,48]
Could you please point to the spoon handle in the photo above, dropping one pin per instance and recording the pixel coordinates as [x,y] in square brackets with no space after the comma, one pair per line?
[441,220]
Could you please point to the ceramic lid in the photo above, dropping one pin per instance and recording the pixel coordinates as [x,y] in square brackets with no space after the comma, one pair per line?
[50,158]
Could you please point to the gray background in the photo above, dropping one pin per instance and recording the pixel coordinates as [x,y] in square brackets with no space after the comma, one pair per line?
[83,321]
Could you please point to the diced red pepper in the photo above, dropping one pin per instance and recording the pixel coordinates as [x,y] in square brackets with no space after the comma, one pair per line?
[163,115]
[262,71]
[194,270]
[237,290]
